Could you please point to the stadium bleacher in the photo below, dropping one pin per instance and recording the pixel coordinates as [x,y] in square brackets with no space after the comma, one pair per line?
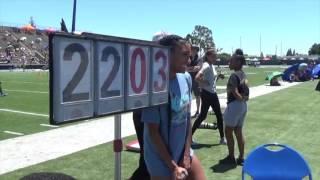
[23,48]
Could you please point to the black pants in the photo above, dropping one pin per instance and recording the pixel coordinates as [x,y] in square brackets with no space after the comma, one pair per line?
[141,173]
[318,86]
[209,99]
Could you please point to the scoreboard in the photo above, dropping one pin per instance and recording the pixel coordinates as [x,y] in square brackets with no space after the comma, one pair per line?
[94,75]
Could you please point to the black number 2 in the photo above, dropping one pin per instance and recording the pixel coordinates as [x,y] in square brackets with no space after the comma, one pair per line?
[108,51]
[68,94]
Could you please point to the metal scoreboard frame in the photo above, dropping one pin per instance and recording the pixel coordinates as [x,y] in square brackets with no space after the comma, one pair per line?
[95,75]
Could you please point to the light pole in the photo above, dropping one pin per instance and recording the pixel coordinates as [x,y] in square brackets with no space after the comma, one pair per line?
[74,16]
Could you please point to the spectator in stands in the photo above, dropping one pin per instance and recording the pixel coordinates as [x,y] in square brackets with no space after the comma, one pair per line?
[207,78]
[167,132]
[235,113]
[193,69]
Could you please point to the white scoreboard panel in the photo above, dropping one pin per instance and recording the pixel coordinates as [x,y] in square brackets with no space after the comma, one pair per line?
[73,79]
[94,75]
[160,76]
[110,68]
[138,81]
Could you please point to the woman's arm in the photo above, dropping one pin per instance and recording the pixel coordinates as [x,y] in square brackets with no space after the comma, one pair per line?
[186,161]
[200,78]
[193,68]
[160,145]
[177,171]
[236,94]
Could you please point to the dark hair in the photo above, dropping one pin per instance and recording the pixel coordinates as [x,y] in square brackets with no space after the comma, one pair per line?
[172,41]
[239,52]
[238,55]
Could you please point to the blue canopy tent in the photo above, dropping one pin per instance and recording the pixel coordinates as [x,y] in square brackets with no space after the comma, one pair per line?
[301,72]
[288,71]
[316,71]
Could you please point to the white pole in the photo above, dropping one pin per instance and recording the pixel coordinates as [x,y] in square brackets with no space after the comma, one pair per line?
[260,43]
[281,50]
[117,139]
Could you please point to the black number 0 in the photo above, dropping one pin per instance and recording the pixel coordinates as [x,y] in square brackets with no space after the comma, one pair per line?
[108,51]
[67,56]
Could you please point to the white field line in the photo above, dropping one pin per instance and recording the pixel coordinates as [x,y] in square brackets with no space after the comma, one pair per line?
[22,112]
[23,151]
[37,92]
[49,125]
[14,133]
[254,92]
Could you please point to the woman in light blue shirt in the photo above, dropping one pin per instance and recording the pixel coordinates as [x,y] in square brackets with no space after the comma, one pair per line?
[167,132]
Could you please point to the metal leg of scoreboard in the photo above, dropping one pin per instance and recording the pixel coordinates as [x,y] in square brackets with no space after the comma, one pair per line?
[117,146]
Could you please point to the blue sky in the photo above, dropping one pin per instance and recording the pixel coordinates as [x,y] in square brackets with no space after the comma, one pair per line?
[293,23]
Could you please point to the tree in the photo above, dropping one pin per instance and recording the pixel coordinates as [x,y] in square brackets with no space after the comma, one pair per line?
[294,52]
[261,55]
[224,56]
[289,52]
[32,22]
[315,49]
[202,37]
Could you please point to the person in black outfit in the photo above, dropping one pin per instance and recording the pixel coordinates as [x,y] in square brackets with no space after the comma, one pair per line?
[207,78]
[141,173]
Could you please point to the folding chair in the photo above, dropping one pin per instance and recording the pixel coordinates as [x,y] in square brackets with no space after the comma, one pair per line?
[281,164]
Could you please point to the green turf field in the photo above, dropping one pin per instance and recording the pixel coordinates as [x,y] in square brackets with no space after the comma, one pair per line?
[28,92]
[289,116]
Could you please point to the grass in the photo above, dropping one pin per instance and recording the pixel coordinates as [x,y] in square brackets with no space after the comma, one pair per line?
[28,92]
[17,85]
[289,116]
[23,88]
[256,76]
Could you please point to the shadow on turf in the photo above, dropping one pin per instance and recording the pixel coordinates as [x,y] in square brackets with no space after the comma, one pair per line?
[222,168]
[199,145]
[47,176]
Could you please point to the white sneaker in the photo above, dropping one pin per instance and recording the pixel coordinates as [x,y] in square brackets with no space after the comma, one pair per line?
[223,141]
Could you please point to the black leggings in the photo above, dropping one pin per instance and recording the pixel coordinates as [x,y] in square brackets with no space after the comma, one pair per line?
[318,86]
[141,173]
[209,99]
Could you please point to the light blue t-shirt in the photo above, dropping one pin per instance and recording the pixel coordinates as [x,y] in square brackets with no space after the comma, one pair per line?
[180,101]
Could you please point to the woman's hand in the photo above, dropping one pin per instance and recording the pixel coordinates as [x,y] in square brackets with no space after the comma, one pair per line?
[221,76]
[186,162]
[180,173]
